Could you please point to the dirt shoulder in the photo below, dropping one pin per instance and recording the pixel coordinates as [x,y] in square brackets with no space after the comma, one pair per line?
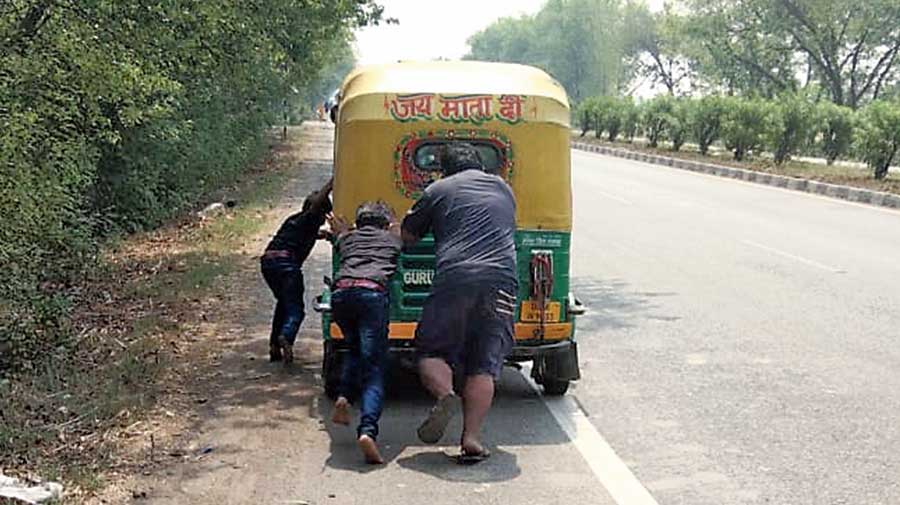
[222,397]
[171,335]
[834,174]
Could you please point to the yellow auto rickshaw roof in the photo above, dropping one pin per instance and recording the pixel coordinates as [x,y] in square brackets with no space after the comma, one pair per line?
[452,77]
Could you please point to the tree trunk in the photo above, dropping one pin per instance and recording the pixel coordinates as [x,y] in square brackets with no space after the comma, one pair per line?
[881,171]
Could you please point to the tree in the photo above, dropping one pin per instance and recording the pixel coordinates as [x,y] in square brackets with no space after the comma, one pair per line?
[743,125]
[705,121]
[878,136]
[733,51]
[577,41]
[834,127]
[656,46]
[851,48]
[116,115]
[508,40]
[788,125]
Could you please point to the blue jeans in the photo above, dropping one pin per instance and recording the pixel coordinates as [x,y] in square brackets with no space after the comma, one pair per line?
[363,316]
[285,279]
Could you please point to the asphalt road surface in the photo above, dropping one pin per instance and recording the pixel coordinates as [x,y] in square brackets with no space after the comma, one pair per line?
[742,345]
[740,348]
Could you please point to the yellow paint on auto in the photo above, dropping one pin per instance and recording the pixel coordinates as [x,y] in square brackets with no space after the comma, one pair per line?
[372,98]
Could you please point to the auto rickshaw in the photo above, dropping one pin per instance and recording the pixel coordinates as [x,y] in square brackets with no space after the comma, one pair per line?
[390,124]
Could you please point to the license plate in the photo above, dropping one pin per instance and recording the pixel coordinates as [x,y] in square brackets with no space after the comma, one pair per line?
[531,311]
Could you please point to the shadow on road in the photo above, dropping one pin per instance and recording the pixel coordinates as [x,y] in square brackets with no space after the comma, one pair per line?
[611,305]
[517,419]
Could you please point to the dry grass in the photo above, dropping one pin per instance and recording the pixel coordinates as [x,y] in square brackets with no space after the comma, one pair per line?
[100,408]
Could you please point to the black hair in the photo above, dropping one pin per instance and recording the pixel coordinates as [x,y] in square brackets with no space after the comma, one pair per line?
[459,156]
[377,214]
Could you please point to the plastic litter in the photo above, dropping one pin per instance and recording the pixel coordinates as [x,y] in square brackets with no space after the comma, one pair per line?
[11,487]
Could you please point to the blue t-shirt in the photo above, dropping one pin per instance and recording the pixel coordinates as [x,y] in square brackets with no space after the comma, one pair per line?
[473,217]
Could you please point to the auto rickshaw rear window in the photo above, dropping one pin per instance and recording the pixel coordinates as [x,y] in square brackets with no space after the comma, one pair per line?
[427,156]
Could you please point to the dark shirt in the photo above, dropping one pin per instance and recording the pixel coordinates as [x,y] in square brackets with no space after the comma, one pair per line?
[298,234]
[473,217]
[368,253]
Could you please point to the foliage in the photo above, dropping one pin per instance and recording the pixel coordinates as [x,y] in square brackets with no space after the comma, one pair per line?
[656,47]
[789,123]
[743,125]
[677,124]
[117,115]
[834,125]
[656,115]
[851,50]
[586,112]
[878,136]
[579,42]
[631,118]
[705,121]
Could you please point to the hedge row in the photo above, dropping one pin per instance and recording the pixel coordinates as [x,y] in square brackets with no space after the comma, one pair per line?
[784,127]
[114,116]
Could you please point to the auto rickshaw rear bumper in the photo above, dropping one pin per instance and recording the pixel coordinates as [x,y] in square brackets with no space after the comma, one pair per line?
[527,335]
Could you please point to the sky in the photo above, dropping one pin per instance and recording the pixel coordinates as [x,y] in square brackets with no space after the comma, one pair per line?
[431,29]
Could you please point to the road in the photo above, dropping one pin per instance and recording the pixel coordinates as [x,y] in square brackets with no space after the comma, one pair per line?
[740,349]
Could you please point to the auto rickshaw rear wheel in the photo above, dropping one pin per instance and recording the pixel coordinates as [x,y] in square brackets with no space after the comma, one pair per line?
[554,387]
[555,371]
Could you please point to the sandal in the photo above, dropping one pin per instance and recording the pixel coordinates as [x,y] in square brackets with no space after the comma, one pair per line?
[470,458]
[432,429]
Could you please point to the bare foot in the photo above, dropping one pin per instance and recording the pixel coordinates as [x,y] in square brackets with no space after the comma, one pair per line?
[287,351]
[471,445]
[472,452]
[341,413]
[370,450]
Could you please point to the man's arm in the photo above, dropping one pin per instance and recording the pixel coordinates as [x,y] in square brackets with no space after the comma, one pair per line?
[339,228]
[417,221]
[321,196]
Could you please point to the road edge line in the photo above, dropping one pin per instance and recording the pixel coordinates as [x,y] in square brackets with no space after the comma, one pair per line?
[614,475]
[852,194]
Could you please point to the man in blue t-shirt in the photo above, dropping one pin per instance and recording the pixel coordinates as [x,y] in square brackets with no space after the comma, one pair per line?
[467,321]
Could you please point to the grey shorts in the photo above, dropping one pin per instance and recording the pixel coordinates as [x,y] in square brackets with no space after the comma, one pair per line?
[469,327]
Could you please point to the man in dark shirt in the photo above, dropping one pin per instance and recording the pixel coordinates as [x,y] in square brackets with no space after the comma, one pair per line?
[361,308]
[281,267]
[467,321]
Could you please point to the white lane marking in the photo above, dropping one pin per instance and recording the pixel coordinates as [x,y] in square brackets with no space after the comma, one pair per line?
[612,197]
[794,257]
[829,199]
[610,470]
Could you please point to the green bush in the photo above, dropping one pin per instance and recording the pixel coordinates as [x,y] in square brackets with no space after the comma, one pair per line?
[878,136]
[587,115]
[611,116]
[743,125]
[678,125]
[118,115]
[834,129]
[655,116]
[631,118]
[788,126]
[705,121]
